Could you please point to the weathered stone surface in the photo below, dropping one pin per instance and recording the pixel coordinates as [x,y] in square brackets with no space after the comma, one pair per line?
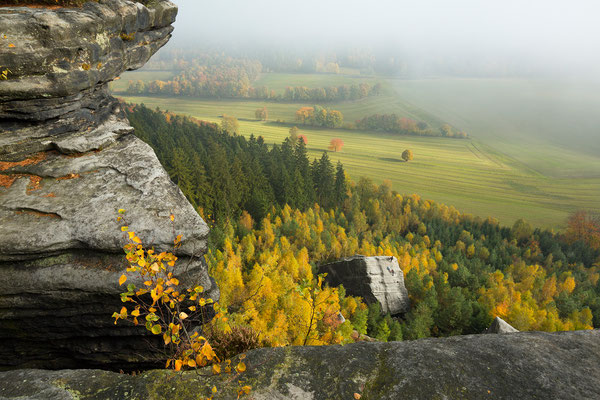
[76,200]
[527,365]
[68,162]
[61,54]
[499,325]
[372,278]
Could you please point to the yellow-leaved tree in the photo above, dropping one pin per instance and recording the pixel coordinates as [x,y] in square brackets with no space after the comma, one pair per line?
[166,308]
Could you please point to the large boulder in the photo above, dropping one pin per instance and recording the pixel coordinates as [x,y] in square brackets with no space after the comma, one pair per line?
[499,325]
[375,279]
[68,162]
[527,365]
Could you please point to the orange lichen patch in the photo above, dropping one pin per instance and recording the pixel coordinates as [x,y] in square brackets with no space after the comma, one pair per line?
[91,172]
[70,176]
[34,183]
[7,180]
[37,213]
[39,157]
[51,194]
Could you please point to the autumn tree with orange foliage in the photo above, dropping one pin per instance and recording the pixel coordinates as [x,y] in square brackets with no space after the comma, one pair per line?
[304,114]
[336,144]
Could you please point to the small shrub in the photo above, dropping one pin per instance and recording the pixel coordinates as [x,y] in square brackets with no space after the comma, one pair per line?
[229,344]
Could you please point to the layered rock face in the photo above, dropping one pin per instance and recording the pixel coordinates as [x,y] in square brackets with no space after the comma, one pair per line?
[527,365]
[68,162]
[372,278]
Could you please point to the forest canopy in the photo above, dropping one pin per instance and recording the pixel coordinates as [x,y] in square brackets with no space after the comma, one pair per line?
[269,236]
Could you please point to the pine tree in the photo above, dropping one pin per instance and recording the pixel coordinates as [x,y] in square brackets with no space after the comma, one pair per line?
[323,179]
[302,165]
[340,185]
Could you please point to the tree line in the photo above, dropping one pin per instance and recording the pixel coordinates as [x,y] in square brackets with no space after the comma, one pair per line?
[216,75]
[406,126]
[235,82]
[330,93]
[319,116]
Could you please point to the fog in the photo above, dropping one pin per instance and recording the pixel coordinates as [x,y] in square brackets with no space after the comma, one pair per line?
[431,36]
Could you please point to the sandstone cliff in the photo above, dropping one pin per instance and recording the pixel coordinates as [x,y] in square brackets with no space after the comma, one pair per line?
[526,365]
[68,162]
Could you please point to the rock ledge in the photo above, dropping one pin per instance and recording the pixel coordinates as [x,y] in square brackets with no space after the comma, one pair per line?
[523,365]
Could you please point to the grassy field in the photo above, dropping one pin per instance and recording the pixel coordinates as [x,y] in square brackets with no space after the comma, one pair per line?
[494,174]
[279,82]
[552,127]
[240,108]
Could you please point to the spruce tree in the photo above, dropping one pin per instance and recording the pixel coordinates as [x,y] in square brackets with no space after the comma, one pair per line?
[340,185]
[324,182]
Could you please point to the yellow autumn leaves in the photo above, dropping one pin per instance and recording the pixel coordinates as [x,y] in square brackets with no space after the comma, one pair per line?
[170,308]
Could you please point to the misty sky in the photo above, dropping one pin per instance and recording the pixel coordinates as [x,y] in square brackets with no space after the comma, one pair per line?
[562,33]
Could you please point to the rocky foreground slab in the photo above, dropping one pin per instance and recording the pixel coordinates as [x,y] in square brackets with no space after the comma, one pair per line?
[525,365]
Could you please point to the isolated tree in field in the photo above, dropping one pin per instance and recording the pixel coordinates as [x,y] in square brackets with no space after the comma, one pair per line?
[336,144]
[294,134]
[261,114]
[230,124]
[407,155]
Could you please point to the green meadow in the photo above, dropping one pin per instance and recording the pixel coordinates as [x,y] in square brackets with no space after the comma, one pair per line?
[279,81]
[508,170]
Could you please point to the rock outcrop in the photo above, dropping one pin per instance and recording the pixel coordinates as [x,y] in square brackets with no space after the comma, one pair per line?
[372,278]
[68,162]
[499,325]
[527,365]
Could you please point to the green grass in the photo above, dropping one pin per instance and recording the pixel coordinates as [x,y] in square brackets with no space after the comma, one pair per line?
[279,82]
[552,127]
[498,173]
[240,108]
